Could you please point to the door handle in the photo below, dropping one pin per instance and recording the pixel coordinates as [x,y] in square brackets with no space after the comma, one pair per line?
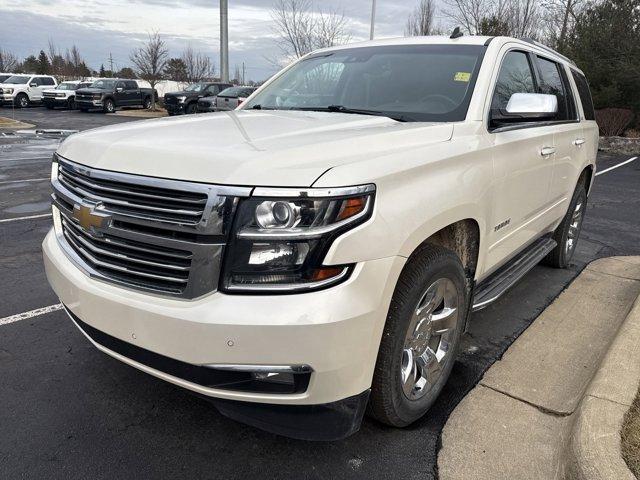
[578,141]
[546,151]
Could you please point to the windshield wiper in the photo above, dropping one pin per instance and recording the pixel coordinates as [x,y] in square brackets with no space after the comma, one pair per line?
[358,111]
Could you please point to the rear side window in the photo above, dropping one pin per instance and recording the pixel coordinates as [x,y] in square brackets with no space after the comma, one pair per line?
[585,95]
[553,83]
[515,77]
[131,85]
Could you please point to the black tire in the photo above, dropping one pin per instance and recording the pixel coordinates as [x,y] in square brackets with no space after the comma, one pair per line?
[190,108]
[49,107]
[388,402]
[22,101]
[83,109]
[147,103]
[71,103]
[567,233]
[109,106]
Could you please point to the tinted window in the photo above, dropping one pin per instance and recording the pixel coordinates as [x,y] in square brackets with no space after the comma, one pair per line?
[104,84]
[411,82]
[47,81]
[515,77]
[4,77]
[131,85]
[120,85]
[552,84]
[17,80]
[585,95]
[246,92]
[212,90]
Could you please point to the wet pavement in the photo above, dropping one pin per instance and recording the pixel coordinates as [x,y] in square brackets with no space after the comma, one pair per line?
[69,411]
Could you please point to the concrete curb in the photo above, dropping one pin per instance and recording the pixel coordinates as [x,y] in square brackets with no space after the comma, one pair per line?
[10,124]
[538,412]
[594,450]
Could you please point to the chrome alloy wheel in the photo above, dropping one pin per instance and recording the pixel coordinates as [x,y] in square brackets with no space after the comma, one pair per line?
[574,229]
[427,342]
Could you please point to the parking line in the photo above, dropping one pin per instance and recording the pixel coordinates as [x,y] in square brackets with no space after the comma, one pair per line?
[27,180]
[30,217]
[30,314]
[616,166]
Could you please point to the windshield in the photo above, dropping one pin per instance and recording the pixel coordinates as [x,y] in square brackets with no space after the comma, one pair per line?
[18,79]
[4,77]
[408,82]
[196,87]
[66,86]
[105,84]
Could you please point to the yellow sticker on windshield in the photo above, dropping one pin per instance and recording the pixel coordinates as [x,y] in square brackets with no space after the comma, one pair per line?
[462,76]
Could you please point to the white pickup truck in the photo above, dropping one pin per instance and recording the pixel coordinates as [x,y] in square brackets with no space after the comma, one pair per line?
[316,253]
[24,90]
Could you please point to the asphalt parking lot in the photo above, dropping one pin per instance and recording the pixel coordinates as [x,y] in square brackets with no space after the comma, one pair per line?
[69,411]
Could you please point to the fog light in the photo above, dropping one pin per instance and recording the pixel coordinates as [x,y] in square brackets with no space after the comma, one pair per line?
[274,377]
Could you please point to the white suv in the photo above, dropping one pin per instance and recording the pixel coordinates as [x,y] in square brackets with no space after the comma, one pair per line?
[24,90]
[64,95]
[321,248]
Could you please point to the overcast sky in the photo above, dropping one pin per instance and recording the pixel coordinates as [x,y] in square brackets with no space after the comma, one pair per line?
[100,27]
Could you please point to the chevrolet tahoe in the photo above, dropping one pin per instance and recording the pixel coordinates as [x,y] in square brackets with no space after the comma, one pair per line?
[316,254]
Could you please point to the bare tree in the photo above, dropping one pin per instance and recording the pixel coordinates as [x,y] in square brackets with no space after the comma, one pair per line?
[150,61]
[559,20]
[198,66]
[301,29]
[8,61]
[524,18]
[420,22]
[470,13]
[517,18]
[75,60]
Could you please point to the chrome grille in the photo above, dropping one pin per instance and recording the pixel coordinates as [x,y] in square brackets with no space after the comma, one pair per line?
[84,96]
[157,235]
[131,199]
[48,94]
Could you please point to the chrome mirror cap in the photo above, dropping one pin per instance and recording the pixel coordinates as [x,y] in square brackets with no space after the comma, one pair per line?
[532,103]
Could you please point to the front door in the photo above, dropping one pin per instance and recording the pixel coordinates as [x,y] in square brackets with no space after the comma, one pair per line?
[523,156]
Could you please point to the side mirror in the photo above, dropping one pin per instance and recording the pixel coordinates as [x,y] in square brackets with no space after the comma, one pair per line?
[532,106]
[33,84]
[119,89]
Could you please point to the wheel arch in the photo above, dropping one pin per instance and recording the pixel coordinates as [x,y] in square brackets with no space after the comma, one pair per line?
[588,175]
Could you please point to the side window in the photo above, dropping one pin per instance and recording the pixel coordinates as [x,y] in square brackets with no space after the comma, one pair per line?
[585,95]
[553,84]
[48,81]
[131,85]
[211,90]
[120,85]
[37,81]
[515,77]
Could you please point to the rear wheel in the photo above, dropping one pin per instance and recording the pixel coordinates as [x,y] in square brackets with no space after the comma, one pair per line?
[109,106]
[567,233]
[147,103]
[22,101]
[83,109]
[418,348]
[49,107]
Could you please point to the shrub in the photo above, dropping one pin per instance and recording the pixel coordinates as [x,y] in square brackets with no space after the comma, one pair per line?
[613,121]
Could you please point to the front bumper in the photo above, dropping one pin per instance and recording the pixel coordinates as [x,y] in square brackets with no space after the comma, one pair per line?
[89,103]
[7,98]
[55,101]
[174,108]
[335,331]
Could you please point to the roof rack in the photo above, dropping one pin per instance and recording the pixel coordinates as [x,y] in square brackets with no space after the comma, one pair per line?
[548,49]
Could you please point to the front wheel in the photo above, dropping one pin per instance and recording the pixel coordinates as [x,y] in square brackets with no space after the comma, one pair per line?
[567,233]
[71,103]
[190,109]
[147,103]
[22,101]
[421,336]
[109,106]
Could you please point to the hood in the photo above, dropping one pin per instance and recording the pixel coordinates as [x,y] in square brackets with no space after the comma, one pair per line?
[255,148]
[92,90]
[181,93]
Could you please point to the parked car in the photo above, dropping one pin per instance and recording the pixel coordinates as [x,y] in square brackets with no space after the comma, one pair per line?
[24,90]
[186,101]
[64,95]
[232,97]
[323,250]
[110,94]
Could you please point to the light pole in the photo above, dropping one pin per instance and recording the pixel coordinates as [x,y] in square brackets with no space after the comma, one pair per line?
[373,19]
[224,40]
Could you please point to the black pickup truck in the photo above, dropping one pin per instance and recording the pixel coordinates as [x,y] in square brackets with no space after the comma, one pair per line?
[186,101]
[109,94]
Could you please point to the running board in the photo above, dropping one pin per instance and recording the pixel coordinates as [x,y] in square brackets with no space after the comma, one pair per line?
[498,283]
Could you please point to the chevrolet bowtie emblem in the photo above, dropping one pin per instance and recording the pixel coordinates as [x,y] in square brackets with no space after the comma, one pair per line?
[88,217]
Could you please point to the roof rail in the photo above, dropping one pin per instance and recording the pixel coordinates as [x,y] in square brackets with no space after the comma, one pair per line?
[548,49]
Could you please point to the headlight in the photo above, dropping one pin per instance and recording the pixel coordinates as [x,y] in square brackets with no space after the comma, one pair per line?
[281,236]
[97,96]
[181,98]
[8,90]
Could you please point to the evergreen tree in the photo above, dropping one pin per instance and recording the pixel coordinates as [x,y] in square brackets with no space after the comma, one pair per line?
[44,66]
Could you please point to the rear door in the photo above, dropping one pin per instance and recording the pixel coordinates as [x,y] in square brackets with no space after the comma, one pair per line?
[122,98]
[133,92]
[523,164]
[590,133]
[569,157]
